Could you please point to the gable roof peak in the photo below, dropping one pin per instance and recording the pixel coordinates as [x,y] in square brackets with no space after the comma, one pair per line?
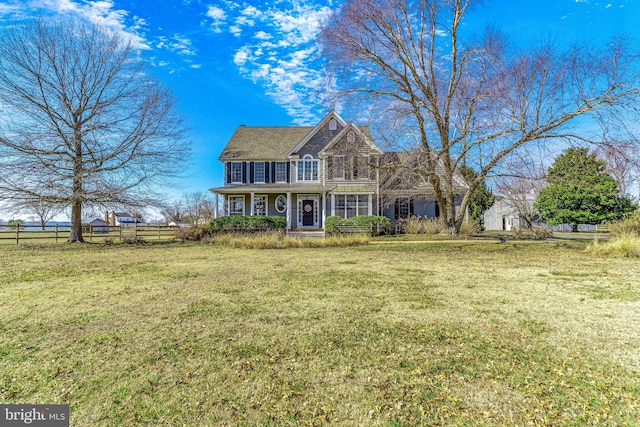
[332,114]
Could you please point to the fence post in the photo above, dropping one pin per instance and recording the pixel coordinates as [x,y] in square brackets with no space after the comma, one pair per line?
[135,229]
[120,228]
[90,233]
[17,233]
[56,233]
[158,231]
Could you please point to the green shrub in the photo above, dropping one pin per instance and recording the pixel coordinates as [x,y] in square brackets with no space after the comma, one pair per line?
[15,223]
[628,226]
[377,224]
[331,223]
[248,223]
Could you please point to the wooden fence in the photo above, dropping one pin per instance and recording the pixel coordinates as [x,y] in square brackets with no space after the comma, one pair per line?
[99,233]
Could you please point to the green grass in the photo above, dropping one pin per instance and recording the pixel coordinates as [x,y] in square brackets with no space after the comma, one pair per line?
[394,333]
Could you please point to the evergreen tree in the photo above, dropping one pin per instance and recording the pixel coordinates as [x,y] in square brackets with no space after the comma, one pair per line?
[481,198]
[580,191]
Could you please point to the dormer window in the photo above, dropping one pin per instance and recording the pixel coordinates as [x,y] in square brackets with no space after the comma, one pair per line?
[351,136]
[308,168]
[333,124]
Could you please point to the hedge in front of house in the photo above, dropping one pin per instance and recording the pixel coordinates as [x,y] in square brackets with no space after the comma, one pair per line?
[374,223]
[248,223]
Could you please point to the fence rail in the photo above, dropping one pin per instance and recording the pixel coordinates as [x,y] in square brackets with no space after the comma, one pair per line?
[99,233]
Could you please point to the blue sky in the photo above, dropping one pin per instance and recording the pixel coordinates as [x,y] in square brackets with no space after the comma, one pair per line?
[231,62]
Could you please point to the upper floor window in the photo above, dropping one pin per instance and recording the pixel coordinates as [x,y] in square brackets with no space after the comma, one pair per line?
[337,167]
[236,172]
[281,172]
[333,124]
[259,172]
[308,168]
[360,167]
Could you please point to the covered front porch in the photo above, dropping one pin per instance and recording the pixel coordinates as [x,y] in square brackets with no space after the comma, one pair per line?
[304,207]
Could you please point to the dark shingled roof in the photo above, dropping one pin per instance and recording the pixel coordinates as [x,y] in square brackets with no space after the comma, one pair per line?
[267,142]
[263,143]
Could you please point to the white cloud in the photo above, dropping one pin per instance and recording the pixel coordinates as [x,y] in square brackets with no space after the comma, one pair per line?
[279,51]
[216,13]
[236,30]
[261,35]
[103,12]
[251,11]
[241,57]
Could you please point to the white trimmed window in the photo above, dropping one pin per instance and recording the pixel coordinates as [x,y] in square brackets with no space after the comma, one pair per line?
[235,205]
[350,205]
[337,167]
[360,167]
[333,124]
[260,205]
[258,172]
[281,172]
[281,203]
[307,169]
[236,172]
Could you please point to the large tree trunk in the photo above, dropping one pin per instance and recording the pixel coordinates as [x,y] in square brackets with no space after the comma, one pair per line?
[75,233]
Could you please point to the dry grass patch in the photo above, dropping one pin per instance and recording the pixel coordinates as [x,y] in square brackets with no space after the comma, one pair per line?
[277,240]
[444,333]
[626,245]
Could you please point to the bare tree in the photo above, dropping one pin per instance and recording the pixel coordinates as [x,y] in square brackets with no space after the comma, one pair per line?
[623,164]
[173,211]
[81,123]
[199,207]
[522,178]
[468,100]
[195,208]
[44,209]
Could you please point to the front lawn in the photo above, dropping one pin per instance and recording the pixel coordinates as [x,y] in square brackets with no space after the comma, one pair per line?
[415,333]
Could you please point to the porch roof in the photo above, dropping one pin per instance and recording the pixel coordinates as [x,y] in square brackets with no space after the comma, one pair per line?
[354,188]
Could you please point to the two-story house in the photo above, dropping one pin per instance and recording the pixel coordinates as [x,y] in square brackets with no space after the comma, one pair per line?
[307,173]
[302,173]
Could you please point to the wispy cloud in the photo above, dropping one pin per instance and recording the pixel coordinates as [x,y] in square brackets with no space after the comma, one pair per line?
[277,49]
[177,43]
[104,12]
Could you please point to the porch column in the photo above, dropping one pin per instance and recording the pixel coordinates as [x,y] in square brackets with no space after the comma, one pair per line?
[370,204]
[252,209]
[215,213]
[288,210]
[324,207]
[333,204]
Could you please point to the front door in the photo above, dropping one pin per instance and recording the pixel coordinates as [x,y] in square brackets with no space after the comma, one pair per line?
[307,213]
